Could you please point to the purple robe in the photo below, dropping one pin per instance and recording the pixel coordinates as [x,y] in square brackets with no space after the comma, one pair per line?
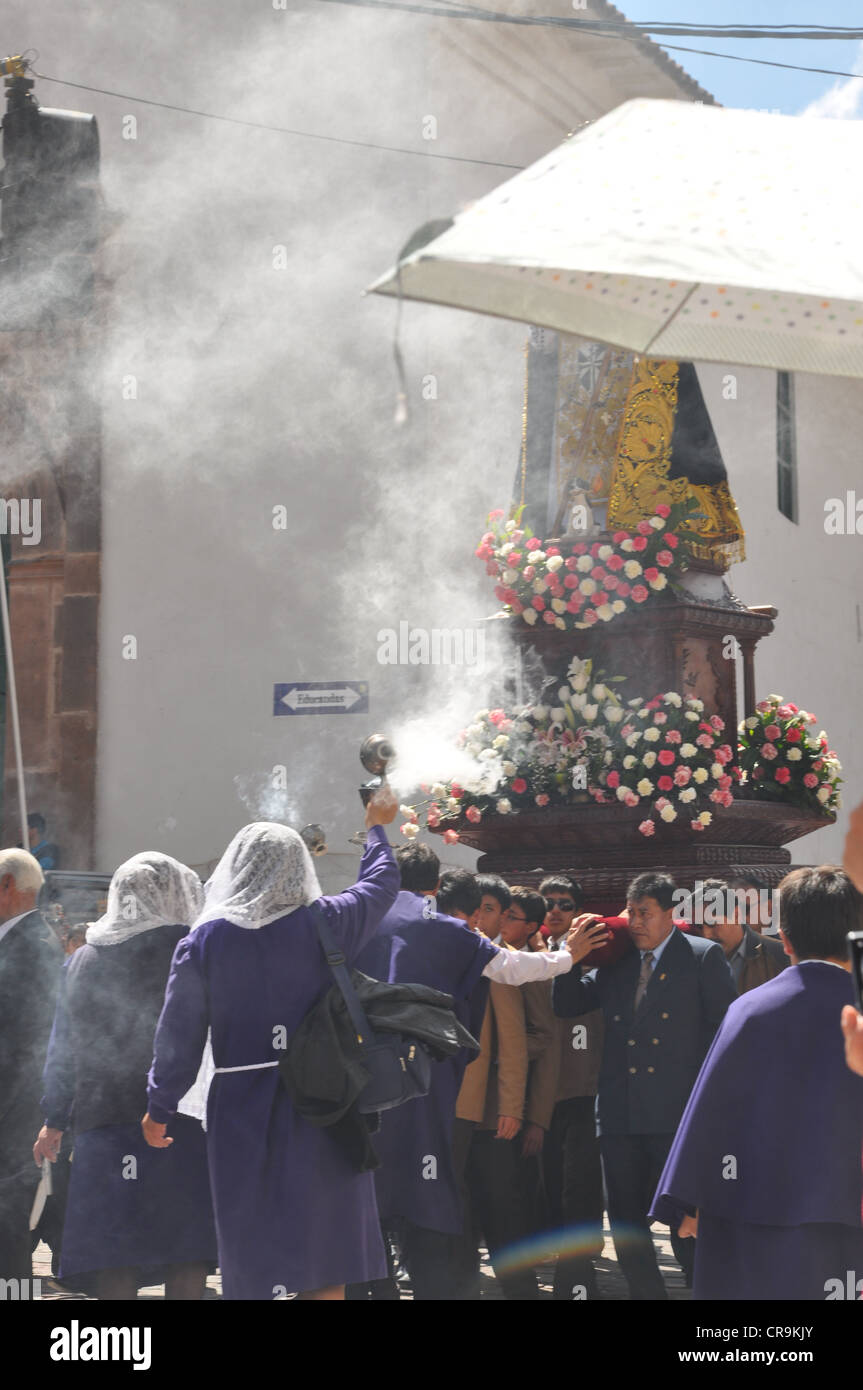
[768,1149]
[445,954]
[292,1214]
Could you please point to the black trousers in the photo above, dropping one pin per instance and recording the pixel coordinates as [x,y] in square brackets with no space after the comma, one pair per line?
[497,1209]
[633,1165]
[573,1185]
[440,1266]
[17,1190]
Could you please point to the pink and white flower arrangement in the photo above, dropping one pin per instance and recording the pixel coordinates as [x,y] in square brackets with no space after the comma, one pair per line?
[579,584]
[780,759]
[672,760]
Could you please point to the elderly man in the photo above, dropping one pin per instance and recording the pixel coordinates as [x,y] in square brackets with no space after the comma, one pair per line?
[765,1166]
[752,959]
[30,961]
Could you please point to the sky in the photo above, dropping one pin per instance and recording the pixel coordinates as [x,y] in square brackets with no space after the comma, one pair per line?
[750,85]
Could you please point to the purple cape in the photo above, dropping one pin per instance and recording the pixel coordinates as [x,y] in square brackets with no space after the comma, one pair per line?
[445,954]
[773,1130]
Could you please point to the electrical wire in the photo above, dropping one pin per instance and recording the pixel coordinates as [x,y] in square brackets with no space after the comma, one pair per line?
[278,129]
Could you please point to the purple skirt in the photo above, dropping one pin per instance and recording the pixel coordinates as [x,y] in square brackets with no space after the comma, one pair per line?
[133,1206]
[735,1261]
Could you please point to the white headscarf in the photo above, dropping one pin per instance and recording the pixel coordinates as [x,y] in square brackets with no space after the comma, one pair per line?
[149,890]
[265,873]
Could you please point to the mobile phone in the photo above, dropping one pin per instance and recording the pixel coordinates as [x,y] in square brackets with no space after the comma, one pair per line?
[855,946]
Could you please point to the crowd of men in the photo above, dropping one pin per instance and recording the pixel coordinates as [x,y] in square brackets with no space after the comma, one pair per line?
[589,1093]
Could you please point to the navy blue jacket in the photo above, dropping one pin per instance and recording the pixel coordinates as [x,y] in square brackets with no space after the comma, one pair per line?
[650,1060]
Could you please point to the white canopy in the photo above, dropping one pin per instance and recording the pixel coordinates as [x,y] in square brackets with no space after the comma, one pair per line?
[675,230]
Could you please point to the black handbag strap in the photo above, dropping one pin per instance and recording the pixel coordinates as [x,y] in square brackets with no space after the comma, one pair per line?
[337,962]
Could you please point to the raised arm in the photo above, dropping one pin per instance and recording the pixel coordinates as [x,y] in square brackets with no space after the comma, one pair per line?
[355,915]
[520,967]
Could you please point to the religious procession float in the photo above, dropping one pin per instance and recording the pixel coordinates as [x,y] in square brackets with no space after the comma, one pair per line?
[610,567]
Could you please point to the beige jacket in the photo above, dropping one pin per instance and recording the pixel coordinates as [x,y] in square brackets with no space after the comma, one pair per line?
[495,1082]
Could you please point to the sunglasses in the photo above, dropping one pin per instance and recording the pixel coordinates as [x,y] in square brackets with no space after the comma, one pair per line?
[565,903]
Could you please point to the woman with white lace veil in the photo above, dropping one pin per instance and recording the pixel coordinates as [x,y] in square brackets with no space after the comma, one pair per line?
[293,1214]
[133,1217]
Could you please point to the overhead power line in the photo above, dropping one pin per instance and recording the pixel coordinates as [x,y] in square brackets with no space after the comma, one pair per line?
[627,31]
[278,129]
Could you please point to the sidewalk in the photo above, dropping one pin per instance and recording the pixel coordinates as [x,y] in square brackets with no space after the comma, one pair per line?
[612,1285]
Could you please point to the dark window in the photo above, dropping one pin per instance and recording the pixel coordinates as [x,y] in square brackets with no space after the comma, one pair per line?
[786,449]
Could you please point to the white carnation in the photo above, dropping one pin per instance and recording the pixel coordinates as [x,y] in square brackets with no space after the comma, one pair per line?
[700,775]
[644,787]
[688,794]
[652,735]
[649,759]
[632,569]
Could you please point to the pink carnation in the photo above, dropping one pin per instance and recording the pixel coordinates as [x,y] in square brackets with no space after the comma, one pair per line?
[590,616]
[644,528]
[613,780]
[496,515]
[717,723]
[533,544]
[651,574]
[474,814]
[662,509]
[664,558]
[639,593]
[660,717]
[639,543]
[810,780]
[671,539]
[620,536]
[548,616]
[537,602]
[542,799]
[673,736]
[630,799]
[769,751]
[496,716]
[615,562]
[450,837]
[786,711]
[704,741]
[772,731]
[682,776]
[647,827]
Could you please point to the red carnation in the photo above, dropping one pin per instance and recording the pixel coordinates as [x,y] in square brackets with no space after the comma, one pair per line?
[671,539]
[620,536]
[665,783]
[624,589]
[571,563]
[613,780]
[783,775]
[609,582]
[665,756]
[793,735]
[639,543]
[663,509]
[651,574]
[538,602]
[533,544]
[519,786]
[615,563]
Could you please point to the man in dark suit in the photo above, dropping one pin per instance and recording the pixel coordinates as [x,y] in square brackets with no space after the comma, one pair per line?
[752,959]
[662,1004]
[30,960]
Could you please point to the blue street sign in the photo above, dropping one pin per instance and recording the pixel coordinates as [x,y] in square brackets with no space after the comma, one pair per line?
[321,697]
